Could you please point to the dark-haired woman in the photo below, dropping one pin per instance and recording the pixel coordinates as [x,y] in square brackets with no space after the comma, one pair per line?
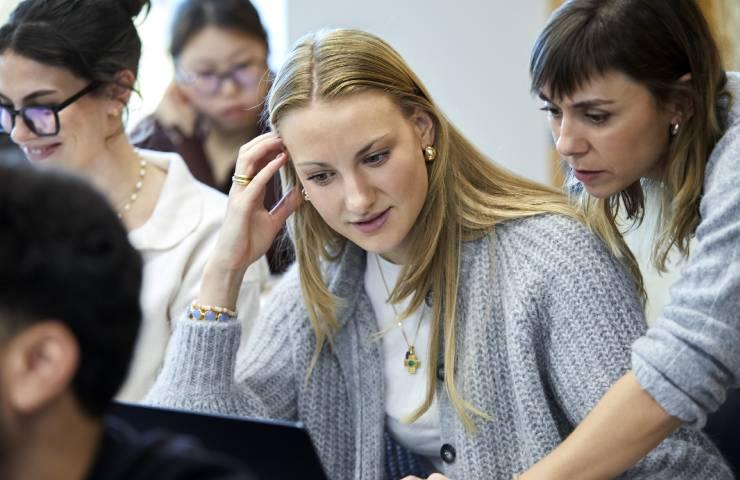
[636,94]
[220,51]
[66,73]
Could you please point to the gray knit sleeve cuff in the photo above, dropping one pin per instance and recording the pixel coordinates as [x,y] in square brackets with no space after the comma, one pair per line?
[662,388]
[198,371]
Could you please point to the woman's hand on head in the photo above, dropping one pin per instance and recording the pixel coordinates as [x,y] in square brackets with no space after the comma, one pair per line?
[175,111]
[249,228]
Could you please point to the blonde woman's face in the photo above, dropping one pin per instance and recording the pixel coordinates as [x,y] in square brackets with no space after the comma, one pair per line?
[361,162]
[611,132]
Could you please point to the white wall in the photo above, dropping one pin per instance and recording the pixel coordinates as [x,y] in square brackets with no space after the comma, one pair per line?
[473,55]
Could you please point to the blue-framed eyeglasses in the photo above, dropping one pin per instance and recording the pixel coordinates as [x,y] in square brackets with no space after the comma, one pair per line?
[244,75]
[43,120]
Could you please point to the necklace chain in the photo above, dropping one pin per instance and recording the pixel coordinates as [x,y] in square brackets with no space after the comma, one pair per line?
[410,361]
[137,188]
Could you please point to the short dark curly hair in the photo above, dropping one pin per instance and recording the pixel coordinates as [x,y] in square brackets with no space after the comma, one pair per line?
[65,255]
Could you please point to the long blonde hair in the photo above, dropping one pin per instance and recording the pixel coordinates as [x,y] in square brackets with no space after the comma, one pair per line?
[655,43]
[468,195]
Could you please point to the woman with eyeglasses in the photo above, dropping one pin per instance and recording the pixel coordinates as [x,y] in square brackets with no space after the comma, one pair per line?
[220,50]
[67,70]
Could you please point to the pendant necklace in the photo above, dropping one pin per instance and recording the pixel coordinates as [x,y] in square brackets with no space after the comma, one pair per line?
[409,360]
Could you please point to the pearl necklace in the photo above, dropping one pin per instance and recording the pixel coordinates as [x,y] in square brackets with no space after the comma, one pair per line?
[137,187]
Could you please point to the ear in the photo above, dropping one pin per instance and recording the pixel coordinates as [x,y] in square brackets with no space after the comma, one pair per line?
[682,107]
[424,126]
[41,362]
[120,91]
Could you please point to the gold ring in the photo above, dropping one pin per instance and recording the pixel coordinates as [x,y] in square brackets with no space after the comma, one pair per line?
[242,180]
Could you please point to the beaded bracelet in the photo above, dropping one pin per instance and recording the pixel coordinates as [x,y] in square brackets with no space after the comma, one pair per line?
[209,313]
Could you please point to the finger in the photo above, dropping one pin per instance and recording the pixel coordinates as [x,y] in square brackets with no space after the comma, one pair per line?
[257,145]
[178,94]
[287,205]
[253,156]
[265,174]
[436,476]
[257,139]
[258,184]
[411,477]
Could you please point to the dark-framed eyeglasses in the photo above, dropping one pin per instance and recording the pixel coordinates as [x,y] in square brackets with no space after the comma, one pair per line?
[244,75]
[43,120]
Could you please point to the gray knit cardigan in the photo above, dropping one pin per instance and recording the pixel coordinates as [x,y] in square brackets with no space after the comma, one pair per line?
[543,331]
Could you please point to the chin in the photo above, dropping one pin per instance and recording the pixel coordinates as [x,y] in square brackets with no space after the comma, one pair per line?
[376,245]
[601,193]
[604,190]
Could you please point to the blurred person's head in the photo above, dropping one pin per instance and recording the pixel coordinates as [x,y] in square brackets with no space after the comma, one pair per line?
[69,305]
[220,50]
[67,69]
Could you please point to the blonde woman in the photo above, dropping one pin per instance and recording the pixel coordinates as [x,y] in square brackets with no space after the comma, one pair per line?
[436,297]
[648,101]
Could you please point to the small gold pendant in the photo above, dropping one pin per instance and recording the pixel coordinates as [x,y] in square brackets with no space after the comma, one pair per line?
[410,361]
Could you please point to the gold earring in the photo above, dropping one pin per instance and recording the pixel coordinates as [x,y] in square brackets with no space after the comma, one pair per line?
[430,153]
[305,195]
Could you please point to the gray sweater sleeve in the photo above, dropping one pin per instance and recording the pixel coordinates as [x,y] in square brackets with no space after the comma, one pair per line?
[590,331]
[201,371]
[689,359]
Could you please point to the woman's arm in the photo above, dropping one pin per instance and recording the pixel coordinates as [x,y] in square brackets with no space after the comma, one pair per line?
[624,426]
[594,318]
[199,370]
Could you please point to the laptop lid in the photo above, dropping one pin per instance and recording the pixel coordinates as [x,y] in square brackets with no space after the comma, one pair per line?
[270,448]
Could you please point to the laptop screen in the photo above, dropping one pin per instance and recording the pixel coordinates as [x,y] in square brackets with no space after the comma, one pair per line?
[270,448]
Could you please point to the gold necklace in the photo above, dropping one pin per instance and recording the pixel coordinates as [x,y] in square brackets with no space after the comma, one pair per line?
[409,360]
[137,187]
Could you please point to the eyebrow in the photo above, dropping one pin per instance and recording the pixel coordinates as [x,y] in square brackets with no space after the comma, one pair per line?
[31,96]
[361,152]
[583,104]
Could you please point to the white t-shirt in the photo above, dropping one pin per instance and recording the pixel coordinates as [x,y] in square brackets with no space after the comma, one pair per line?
[404,392]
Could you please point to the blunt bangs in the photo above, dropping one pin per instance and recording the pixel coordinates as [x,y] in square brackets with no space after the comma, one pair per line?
[570,52]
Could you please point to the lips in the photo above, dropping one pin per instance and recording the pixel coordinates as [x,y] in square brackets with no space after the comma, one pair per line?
[40,152]
[373,223]
[586,176]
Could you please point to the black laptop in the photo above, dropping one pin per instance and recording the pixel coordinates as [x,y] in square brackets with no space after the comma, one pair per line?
[271,448]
